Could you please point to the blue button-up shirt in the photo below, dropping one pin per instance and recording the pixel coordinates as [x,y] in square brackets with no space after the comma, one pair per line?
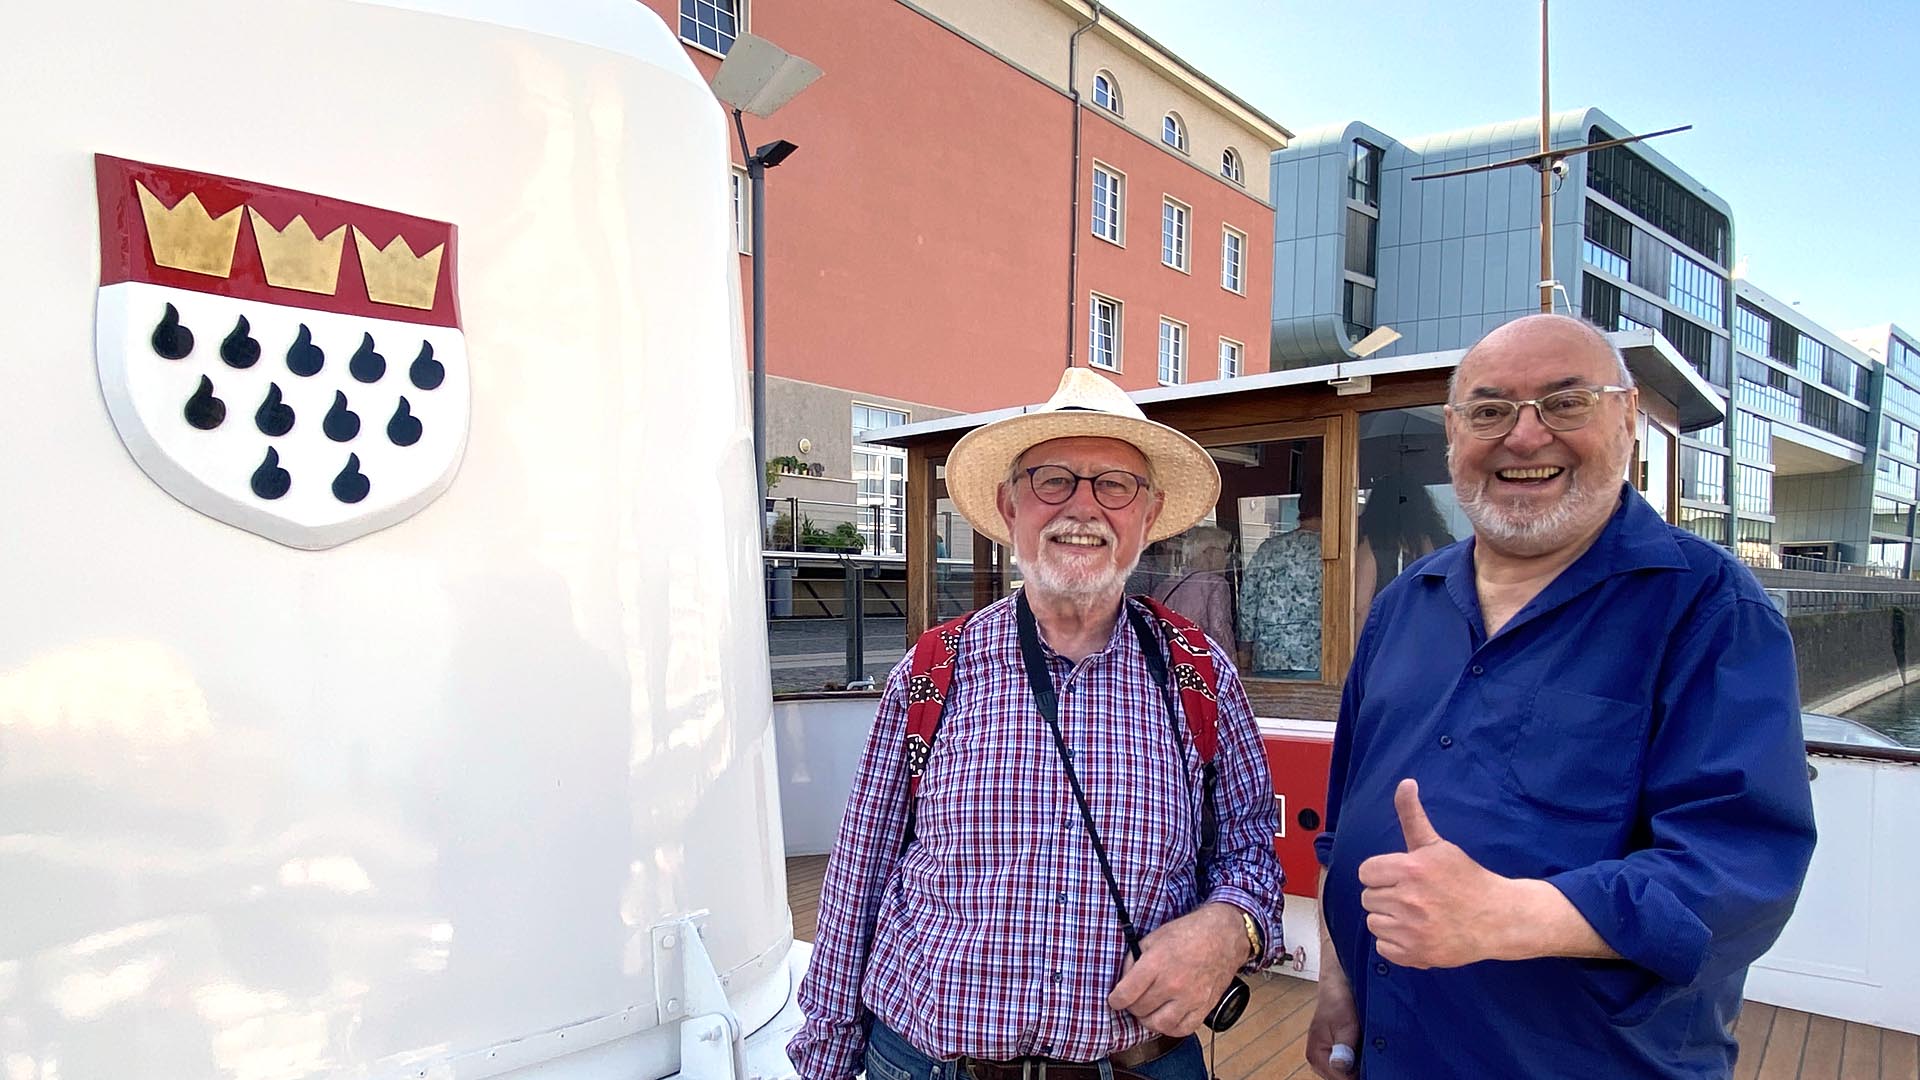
[1631,736]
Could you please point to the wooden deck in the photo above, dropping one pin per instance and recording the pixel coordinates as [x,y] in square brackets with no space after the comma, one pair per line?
[1269,1042]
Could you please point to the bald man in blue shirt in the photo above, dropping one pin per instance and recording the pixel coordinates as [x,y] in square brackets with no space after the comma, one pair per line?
[1568,803]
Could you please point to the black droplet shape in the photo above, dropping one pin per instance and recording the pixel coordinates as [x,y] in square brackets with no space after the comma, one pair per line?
[304,358]
[403,429]
[351,485]
[274,418]
[270,481]
[367,365]
[341,423]
[203,410]
[170,339]
[426,372]
[239,350]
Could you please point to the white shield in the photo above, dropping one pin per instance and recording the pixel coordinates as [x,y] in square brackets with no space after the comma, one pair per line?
[249,392]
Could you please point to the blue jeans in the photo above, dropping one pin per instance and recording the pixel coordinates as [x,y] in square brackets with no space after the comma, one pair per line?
[891,1057]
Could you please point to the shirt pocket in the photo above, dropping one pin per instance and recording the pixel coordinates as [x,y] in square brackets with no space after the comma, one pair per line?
[1578,755]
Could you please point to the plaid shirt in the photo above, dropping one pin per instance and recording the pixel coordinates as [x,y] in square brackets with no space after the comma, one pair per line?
[994,936]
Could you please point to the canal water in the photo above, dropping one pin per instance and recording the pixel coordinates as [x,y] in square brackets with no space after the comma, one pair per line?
[1896,713]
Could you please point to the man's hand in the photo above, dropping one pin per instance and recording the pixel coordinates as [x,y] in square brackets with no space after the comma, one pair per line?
[1334,1021]
[1433,907]
[1183,967]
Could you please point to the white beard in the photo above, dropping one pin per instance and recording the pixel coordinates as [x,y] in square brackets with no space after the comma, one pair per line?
[1592,493]
[1082,587]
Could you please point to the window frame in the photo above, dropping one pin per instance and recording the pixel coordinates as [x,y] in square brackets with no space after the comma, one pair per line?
[742,211]
[742,10]
[1238,265]
[1094,301]
[1240,358]
[1174,361]
[1173,123]
[1181,238]
[1233,167]
[1119,239]
[1115,104]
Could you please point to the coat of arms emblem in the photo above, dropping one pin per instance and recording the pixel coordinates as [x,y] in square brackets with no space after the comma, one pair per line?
[286,363]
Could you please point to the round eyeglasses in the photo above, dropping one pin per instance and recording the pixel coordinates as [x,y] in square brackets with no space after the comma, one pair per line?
[1114,489]
[1562,410]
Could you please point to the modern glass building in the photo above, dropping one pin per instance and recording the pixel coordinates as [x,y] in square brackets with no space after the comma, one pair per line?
[1805,468]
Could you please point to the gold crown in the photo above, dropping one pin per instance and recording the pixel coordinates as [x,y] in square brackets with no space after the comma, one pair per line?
[187,237]
[294,258]
[395,275]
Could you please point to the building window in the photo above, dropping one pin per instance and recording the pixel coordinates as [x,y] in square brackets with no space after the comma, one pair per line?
[1703,475]
[1362,241]
[1173,352]
[1358,306]
[1752,330]
[1173,132]
[1233,260]
[1109,198]
[1175,218]
[1363,175]
[742,212]
[1694,288]
[711,24]
[880,472]
[1628,179]
[1231,354]
[1230,166]
[1756,490]
[1106,92]
[1612,235]
[1103,333]
[1604,259]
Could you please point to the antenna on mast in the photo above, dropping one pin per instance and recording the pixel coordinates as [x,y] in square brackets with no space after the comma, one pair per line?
[1552,166]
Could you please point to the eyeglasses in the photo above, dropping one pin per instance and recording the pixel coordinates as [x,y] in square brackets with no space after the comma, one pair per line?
[1114,489]
[1562,410]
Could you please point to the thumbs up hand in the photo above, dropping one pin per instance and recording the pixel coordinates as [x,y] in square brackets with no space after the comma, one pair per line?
[1433,907]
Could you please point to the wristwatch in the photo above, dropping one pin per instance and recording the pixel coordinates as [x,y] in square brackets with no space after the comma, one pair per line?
[1254,941]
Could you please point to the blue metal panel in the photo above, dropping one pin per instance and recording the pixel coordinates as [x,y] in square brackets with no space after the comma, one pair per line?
[1430,280]
[1426,335]
[1283,279]
[1286,177]
[1523,199]
[1453,214]
[1452,270]
[1523,270]
[1474,192]
[1473,275]
[1493,296]
[1328,254]
[1304,271]
[1333,193]
[1432,209]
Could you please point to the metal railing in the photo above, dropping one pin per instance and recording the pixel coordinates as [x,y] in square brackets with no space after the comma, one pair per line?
[807,525]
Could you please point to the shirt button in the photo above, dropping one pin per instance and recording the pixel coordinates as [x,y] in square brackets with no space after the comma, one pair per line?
[1057,976]
[1380,969]
[1446,741]
[1062,897]
[1379,1042]
[1478,670]
[1046,1048]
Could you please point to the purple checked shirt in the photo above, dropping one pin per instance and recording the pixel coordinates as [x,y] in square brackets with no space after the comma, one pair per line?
[993,936]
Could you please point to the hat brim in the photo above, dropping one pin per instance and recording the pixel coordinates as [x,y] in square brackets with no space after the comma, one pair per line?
[1183,473]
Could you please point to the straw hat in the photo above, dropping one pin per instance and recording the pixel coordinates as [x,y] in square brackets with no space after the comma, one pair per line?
[1086,404]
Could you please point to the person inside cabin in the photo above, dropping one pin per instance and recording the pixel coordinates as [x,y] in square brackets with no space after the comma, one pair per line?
[1203,593]
[1568,802]
[966,925]
[1280,595]
[1398,526]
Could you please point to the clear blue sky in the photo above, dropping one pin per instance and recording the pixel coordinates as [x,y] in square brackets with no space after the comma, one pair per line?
[1805,115]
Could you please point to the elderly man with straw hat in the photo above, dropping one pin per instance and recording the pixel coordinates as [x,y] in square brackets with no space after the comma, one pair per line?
[1067,887]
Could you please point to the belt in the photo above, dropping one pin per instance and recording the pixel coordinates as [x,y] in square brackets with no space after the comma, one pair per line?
[1041,1068]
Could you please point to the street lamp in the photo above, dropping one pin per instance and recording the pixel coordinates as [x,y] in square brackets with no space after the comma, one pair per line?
[759,77]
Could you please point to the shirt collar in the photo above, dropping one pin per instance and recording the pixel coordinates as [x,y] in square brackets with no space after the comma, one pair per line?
[1004,608]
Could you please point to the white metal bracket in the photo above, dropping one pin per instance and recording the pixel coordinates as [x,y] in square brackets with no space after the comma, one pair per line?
[1349,385]
[688,989]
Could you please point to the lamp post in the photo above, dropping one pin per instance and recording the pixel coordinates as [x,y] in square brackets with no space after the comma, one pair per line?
[759,77]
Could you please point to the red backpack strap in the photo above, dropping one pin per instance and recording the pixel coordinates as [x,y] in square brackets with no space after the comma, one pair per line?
[927,683]
[1193,672]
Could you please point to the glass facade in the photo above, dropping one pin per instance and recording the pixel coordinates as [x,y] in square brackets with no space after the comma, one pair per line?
[1703,475]
[1695,289]
[1756,490]
[1628,179]
[1363,174]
